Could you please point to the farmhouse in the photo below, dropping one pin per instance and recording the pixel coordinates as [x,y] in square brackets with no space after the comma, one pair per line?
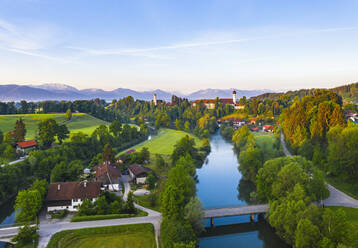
[108,173]
[268,128]
[210,103]
[138,173]
[25,147]
[69,195]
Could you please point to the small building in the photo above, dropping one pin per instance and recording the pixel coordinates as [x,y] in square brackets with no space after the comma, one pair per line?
[70,195]
[108,173]
[138,173]
[268,128]
[25,147]
[210,103]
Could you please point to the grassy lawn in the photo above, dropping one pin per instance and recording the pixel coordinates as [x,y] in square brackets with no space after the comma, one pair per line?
[266,142]
[352,215]
[164,142]
[108,216]
[350,188]
[126,236]
[79,123]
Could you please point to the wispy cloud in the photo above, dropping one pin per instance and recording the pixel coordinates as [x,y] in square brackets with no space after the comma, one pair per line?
[152,52]
[28,40]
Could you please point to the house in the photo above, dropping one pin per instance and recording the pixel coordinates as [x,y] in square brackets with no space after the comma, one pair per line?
[108,173]
[25,147]
[69,195]
[138,173]
[255,121]
[210,103]
[268,128]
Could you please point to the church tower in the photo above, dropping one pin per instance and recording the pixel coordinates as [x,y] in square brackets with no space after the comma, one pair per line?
[155,99]
[234,97]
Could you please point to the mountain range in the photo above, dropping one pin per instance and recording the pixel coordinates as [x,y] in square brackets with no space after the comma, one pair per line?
[14,92]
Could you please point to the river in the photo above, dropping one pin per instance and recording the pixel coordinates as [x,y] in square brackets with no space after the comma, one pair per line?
[220,185]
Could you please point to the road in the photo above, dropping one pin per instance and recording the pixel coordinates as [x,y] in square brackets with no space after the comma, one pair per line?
[46,229]
[336,197]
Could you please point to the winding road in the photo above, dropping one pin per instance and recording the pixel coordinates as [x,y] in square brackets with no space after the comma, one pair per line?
[336,197]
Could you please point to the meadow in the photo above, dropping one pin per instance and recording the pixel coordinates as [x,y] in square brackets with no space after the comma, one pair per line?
[133,236]
[79,122]
[266,142]
[163,143]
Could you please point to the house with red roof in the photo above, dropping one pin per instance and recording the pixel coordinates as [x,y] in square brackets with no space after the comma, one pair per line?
[210,103]
[70,195]
[24,147]
[268,128]
[108,173]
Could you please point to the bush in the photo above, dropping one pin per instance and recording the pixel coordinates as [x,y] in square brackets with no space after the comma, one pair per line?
[107,216]
[58,215]
[26,235]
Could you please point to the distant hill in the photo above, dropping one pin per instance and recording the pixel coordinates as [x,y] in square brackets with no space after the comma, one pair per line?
[13,92]
[348,92]
[224,93]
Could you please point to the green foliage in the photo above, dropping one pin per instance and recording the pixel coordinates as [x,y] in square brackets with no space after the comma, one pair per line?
[64,172]
[29,202]
[81,218]
[176,231]
[47,132]
[151,180]
[129,205]
[342,152]
[159,161]
[194,214]
[307,234]
[108,154]
[250,161]
[240,137]
[115,128]
[20,130]
[27,235]
[68,114]
[184,146]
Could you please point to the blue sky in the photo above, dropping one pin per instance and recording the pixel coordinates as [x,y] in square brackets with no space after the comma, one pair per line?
[179,45]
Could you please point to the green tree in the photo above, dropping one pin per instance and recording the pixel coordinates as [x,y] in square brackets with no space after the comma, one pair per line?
[151,180]
[144,155]
[67,172]
[20,130]
[47,131]
[176,231]
[307,234]
[9,153]
[116,207]
[108,154]
[26,235]
[240,137]
[86,208]
[178,124]
[68,114]
[194,214]
[1,137]
[62,133]
[101,205]
[129,205]
[188,163]
[250,161]
[336,226]
[159,161]
[187,126]
[29,202]
[115,128]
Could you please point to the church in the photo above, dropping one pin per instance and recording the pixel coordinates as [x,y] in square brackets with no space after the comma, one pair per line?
[210,103]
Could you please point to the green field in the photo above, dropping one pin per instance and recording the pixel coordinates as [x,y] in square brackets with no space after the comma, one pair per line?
[79,123]
[266,143]
[127,236]
[164,142]
[352,215]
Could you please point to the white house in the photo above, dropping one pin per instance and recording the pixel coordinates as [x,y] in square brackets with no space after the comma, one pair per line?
[69,195]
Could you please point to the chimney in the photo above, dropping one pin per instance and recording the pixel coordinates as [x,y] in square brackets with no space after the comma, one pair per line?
[234,97]
[155,99]
[58,186]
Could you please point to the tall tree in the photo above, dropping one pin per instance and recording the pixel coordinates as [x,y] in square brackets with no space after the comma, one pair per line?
[68,114]
[108,154]
[20,130]
[47,132]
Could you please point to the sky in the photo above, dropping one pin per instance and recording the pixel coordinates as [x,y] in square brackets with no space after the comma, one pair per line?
[179,45]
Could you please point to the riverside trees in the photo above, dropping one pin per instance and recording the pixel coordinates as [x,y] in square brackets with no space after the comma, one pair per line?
[181,209]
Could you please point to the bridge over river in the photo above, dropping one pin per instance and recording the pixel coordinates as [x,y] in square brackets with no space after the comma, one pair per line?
[7,233]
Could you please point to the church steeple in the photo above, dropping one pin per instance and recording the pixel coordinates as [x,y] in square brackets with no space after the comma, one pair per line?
[234,97]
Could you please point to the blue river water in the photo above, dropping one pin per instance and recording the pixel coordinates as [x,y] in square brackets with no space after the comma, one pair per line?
[220,184]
